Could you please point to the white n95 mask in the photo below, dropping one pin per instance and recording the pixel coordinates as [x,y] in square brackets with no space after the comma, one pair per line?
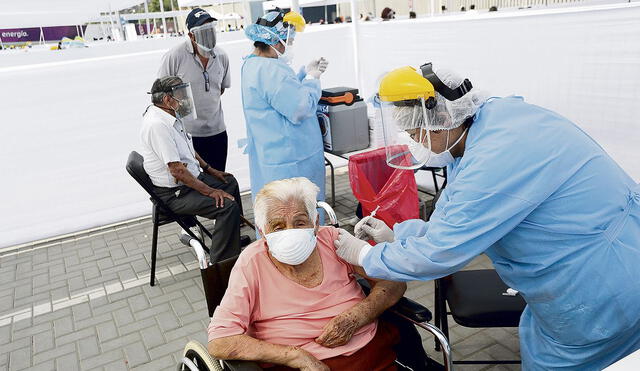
[292,246]
[445,157]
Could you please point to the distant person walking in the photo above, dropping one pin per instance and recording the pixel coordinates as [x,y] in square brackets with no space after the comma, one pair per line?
[205,66]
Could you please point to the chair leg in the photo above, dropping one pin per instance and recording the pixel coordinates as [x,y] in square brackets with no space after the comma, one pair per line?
[444,322]
[203,229]
[437,310]
[154,250]
[333,182]
[435,180]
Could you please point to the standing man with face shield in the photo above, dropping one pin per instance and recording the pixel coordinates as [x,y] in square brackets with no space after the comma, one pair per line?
[557,216]
[284,139]
[206,67]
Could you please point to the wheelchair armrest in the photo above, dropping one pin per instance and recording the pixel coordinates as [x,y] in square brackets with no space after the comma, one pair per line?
[234,365]
[412,310]
[404,306]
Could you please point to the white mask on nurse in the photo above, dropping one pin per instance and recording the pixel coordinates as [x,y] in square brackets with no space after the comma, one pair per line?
[445,157]
[292,246]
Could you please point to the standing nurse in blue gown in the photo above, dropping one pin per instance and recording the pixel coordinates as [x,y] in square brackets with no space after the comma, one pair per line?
[559,219]
[284,138]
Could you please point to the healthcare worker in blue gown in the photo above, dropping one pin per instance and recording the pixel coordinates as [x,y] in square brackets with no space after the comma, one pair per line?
[283,134]
[559,219]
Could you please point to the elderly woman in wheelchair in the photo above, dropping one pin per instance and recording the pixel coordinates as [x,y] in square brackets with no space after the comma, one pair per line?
[293,303]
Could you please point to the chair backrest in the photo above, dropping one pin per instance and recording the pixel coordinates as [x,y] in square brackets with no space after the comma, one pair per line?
[215,280]
[135,168]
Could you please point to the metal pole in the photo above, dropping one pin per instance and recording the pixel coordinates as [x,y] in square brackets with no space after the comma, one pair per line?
[355,22]
[164,22]
[41,36]
[1,43]
[295,6]
[175,20]
[224,27]
[247,13]
[146,15]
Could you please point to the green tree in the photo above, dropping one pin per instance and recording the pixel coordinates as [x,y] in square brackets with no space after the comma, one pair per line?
[154,5]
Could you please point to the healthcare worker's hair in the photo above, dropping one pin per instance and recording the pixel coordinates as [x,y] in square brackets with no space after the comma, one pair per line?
[280,191]
[162,86]
[261,46]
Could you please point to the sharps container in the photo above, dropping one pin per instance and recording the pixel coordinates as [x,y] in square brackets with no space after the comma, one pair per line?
[343,120]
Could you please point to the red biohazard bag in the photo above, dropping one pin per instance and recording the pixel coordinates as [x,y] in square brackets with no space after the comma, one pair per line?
[374,183]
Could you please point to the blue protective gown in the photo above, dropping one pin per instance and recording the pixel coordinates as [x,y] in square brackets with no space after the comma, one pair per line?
[559,219]
[283,133]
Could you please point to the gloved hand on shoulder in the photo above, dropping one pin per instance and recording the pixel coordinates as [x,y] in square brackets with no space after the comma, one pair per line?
[349,248]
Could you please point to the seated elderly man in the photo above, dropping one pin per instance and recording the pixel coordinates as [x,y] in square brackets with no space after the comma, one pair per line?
[293,303]
[185,182]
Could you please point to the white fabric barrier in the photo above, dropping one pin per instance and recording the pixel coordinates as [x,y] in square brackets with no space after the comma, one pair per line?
[580,62]
[71,118]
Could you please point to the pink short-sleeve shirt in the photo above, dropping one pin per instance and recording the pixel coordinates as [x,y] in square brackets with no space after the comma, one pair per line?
[261,302]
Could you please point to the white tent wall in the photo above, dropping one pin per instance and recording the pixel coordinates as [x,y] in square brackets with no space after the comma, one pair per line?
[70,123]
[583,65]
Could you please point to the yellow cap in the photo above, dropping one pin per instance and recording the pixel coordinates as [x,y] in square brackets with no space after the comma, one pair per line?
[403,84]
[296,20]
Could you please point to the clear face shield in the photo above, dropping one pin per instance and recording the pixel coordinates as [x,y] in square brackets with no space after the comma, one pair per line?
[182,94]
[205,37]
[287,42]
[407,126]
[406,137]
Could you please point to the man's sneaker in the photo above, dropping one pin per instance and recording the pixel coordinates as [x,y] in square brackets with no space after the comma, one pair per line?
[195,230]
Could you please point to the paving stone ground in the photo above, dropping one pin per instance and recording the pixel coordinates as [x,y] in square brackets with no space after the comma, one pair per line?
[84,302]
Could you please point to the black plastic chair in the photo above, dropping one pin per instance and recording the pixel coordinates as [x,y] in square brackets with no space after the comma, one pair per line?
[476,300]
[161,213]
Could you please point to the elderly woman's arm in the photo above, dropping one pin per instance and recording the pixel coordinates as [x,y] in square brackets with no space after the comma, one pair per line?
[383,295]
[244,347]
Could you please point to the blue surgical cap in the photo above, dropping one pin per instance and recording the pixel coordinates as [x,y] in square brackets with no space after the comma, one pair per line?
[269,35]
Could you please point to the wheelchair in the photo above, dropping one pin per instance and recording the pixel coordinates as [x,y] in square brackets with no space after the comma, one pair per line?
[406,315]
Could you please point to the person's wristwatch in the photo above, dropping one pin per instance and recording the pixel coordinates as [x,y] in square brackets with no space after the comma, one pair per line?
[207,166]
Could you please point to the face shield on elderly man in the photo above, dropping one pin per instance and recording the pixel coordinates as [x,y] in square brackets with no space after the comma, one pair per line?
[414,105]
[183,96]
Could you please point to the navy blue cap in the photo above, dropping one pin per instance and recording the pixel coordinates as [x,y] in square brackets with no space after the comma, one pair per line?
[198,17]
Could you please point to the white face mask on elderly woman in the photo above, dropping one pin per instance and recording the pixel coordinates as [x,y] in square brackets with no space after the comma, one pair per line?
[292,246]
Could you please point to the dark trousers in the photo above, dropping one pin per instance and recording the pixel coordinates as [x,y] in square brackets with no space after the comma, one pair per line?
[213,149]
[226,235]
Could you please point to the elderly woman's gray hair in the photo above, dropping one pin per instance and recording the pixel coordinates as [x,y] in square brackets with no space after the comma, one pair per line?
[162,86]
[285,190]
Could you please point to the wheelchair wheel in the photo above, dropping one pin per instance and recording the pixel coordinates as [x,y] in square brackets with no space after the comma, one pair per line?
[197,355]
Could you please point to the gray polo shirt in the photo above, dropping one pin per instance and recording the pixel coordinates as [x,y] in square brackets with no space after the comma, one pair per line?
[182,62]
